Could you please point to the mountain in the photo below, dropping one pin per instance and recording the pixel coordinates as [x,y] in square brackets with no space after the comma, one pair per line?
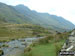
[11,15]
[20,14]
[45,19]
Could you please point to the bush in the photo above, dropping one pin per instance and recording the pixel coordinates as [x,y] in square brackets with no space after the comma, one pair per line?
[57,48]
[1,52]
[46,39]
[5,45]
[50,37]
[43,41]
[28,49]
[33,44]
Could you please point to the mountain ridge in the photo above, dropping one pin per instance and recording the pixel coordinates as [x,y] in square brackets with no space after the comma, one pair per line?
[22,14]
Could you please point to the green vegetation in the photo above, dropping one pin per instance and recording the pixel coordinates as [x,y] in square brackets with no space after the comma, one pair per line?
[44,50]
[1,52]
[20,22]
[5,45]
[21,14]
[48,46]
[15,31]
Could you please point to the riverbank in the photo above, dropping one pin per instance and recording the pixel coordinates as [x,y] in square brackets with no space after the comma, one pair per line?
[16,46]
[48,46]
[44,50]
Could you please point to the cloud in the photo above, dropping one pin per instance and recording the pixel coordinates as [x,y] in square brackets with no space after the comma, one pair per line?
[64,8]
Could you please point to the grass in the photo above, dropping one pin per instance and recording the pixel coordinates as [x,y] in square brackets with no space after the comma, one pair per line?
[44,50]
[15,31]
[48,46]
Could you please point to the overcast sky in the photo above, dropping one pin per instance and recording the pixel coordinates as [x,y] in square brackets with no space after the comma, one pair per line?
[64,8]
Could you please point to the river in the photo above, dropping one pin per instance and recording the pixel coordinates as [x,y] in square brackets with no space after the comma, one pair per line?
[16,47]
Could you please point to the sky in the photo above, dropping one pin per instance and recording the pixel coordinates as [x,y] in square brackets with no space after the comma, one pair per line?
[63,8]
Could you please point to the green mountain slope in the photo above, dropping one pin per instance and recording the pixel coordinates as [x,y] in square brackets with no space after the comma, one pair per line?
[45,19]
[11,15]
[21,14]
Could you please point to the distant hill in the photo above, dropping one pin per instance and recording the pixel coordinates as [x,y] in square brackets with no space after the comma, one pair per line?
[10,14]
[21,14]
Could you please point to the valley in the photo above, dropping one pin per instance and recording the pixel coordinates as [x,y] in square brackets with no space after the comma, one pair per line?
[26,32]
[21,14]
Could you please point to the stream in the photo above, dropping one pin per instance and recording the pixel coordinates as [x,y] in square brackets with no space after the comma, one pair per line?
[16,47]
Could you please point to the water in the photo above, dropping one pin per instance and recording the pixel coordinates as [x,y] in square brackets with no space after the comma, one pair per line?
[19,44]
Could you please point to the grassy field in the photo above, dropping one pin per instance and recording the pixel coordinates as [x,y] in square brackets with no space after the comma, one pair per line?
[15,31]
[44,50]
[48,46]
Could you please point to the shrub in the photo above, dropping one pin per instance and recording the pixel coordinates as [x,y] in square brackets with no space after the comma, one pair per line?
[46,39]
[28,49]
[5,45]
[1,52]
[33,44]
[43,41]
[57,48]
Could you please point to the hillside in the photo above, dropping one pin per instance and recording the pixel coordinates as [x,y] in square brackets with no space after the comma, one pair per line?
[21,14]
[10,15]
[15,31]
